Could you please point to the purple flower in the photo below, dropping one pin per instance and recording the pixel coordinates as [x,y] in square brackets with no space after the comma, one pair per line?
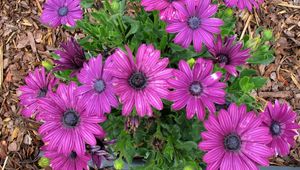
[38,85]
[229,55]
[196,25]
[280,120]
[142,83]
[68,126]
[97,89]
[70,161]
[100,153]
[242,4]
[166,7]
[196,89]
[57,12]
[235,140]
[71,57]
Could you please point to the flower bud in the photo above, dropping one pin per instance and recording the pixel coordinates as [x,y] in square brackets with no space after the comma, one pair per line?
[44,162]
[268,34]
[119,164]
[115,6]
[191,62]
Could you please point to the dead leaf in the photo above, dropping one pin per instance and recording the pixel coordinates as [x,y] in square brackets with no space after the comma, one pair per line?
[23,42]
[31,41]
[27,139]
[15,133]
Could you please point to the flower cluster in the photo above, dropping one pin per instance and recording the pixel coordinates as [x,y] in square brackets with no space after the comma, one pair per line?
[72,113]
[237,139]
[144,83]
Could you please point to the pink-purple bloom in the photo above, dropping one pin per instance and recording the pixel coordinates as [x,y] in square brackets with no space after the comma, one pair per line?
[196,89]
[242,4]
[97,90]
[68,126]
[69,161]
[141,83]
[280,120]
[167,8]
[101,153]
[39,85]
[72,57]
[61,12]
[235,139]
[197,26]
[229,55]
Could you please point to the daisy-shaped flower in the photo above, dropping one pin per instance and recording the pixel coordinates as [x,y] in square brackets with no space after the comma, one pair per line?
[166,7]
[69,161]
[97,90]
[196,89]
[242,4]
[229,55]
[280,120]
[235,140]
[72,57]
[68,126]
[39,85]
[197,26]
[141,83]
[58,12]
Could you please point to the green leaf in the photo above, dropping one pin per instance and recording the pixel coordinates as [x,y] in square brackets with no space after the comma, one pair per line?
[134,26]
[125,146]
[248,72]
[259,82]
[87,3]
[55,56]
[188,145]
[226,14]
[260,52]
[261,58]
[246,85]
[169,150]
[47,65]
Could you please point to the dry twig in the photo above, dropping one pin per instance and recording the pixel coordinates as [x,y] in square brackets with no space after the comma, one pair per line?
[246,26]
[5,162]
[289,5]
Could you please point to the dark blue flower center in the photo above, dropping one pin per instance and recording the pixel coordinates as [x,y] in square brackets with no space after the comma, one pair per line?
[194,22]
[275,128]
[138,80]
[172,0]
[99,86]
[223,58]
[232,142]
[42,92]
[63,11]
[70,118]
[73,155]
[196,88]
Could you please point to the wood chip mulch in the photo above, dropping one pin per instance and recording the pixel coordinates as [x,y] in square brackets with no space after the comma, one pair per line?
[283,75]
[24,43]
